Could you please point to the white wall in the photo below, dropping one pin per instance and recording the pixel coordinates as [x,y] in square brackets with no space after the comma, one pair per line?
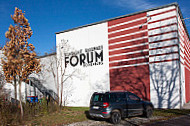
[87,79]
[182,61]
[163,63]
[46,75]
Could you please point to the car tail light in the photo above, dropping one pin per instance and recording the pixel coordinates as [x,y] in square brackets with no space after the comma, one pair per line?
[105,104]
[105,112]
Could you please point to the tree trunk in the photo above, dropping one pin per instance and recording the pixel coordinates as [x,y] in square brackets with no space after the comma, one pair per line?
[20,99]
[15,88]
[58,86]
[61,85]
[61,93]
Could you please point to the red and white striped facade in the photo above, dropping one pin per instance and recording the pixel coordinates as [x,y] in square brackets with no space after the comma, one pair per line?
[146,53]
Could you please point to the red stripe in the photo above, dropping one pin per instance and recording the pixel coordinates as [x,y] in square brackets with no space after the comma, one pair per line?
[182,63]
[181,45]
[135,79]
[135,55]
[136,42]
[185,42]
[181,29]
[164,40]
[187,60]
[124,19]
[129,62]
[181,57]
[181,51]
[163,26]
[128,50]
[163,19]
[187,65]
[163,33]
[186,47]
[127,25]
[127,31]
[163,54]
[187,85]
[181,26]
[163,12]
[186,50]
[163,47]
[186,55]
[164,61]
[139,35]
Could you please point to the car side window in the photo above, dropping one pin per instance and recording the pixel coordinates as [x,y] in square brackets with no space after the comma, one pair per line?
[117,97]
[121,97]
[112,97]
[133,97]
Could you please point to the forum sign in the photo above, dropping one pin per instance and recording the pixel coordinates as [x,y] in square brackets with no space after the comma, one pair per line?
[85,57]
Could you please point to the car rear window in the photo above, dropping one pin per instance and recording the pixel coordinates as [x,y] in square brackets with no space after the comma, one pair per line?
[99,98]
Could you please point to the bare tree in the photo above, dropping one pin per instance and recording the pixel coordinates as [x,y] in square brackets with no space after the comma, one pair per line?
[60,71]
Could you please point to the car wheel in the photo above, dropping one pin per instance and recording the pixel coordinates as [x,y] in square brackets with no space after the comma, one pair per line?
[115,117]
[148,111]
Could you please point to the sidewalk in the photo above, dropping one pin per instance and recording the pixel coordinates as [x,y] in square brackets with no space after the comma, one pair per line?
[186,106]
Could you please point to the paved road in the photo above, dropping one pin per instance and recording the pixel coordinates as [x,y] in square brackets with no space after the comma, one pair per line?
[179,121]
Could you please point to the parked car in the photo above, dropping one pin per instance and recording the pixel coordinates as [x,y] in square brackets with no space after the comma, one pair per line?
[118,105]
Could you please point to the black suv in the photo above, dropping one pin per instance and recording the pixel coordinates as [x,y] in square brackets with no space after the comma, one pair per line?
[118,105]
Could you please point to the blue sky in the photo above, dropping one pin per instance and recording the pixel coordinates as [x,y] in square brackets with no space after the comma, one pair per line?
[49,16]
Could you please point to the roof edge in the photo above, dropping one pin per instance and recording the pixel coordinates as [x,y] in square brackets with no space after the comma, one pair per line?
[46,55]
[171,4]
[182,20]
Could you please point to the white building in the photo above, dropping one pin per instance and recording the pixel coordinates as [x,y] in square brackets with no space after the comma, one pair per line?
[146,53]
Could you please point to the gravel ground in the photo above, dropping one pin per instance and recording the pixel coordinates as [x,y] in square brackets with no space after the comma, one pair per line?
[134,121]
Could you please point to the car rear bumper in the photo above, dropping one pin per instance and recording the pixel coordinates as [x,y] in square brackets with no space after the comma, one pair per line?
[99,115]
[104,116]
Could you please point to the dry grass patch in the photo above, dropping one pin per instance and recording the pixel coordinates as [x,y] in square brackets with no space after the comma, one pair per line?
[65,116]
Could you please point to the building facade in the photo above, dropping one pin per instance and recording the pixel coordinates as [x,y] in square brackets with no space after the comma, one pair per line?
[146,53]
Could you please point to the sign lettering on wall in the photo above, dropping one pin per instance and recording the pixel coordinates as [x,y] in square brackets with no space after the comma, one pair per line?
[85,57]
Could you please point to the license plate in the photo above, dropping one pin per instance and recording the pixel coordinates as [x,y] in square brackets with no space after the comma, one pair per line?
[95,107]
